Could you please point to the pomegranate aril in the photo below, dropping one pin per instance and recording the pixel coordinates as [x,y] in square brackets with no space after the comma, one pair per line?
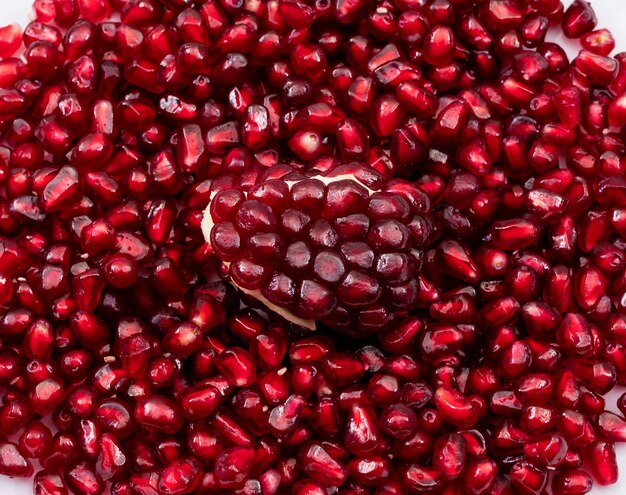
[238,366]
[81,479]
[116,417]
[36,441]
[528,479]
[479,476]
[548,450]
[182,476]
[320,466]
[49,483]
[12,462]
[112,462]
[599,41]
[579,18]
[601,461]
[232,467]
[449,455]
[11,36]
[422,479]
[572,482]
[456,408]
[158,414]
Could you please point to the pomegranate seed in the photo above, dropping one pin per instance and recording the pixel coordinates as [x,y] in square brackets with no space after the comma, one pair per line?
[48,482]
[455,408]
[422,479]
[574,481]
[596,67]
[578,19]
[112,461]
[11,36]
[548,450]
[182,476]
[36,441]
[480,476]
[601,461]
[159,414]
[82,479]
[232,467]
[449,455]
[611,426]
[600,42]
[527,478]
[12,462]
[439,46]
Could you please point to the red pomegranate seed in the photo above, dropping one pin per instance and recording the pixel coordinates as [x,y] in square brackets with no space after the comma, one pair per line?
[527,478]
[49,482]
[320,466]
[449,455]
[578,19]
[571,482]
[480,476]
[600,41]
[36,441]
[232,467]
[81,479]
[455,408]
[12,462]
[548,450]
[422,479]
[159,414]
[182,476]
[11,36]
[112,461]
[600,459]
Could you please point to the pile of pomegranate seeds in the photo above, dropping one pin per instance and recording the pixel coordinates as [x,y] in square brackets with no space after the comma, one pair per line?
[311,247]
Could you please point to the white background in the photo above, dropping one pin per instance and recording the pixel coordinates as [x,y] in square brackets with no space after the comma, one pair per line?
[611,14]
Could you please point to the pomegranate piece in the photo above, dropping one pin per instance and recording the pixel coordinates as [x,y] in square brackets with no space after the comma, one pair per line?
[112,462]
[449,455]
[574,481]
[549,450]
[480,476]
[600,41]
[527,478]
[336,208]
[439,46]
[36,440]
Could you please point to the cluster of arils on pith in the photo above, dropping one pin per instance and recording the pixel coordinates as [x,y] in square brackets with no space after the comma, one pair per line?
[340,248]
